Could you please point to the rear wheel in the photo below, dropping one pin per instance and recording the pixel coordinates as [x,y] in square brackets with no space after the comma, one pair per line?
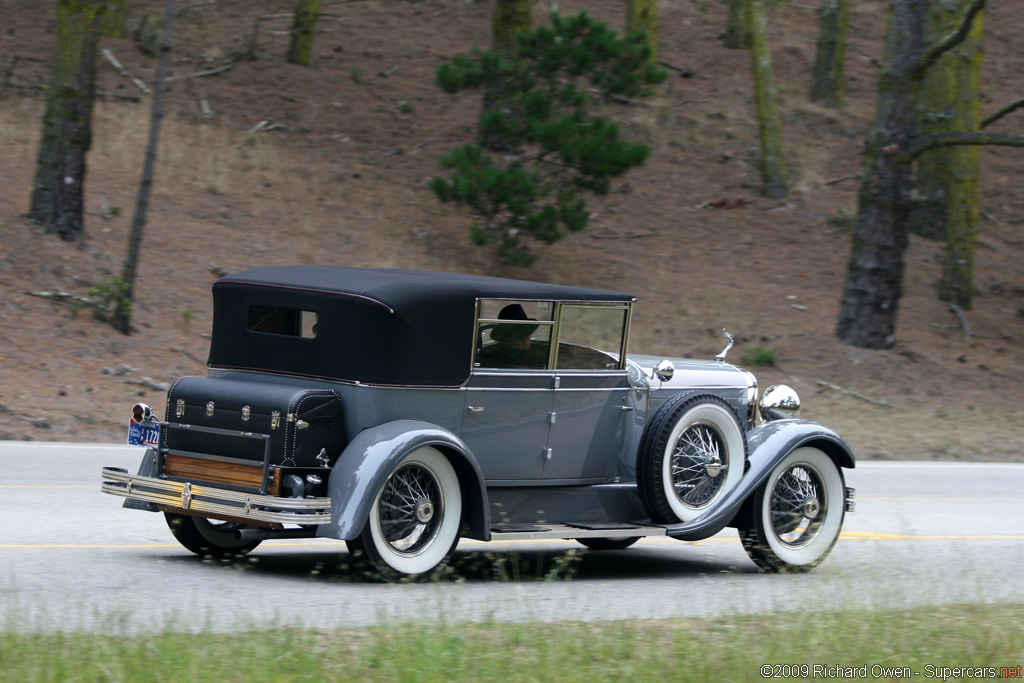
[797,513]
[414,520]
[208,537]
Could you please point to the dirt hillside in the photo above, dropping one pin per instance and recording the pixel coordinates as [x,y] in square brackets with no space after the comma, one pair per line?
[267,163]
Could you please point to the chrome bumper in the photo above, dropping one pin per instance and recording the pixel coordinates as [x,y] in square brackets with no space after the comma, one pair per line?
[216,501]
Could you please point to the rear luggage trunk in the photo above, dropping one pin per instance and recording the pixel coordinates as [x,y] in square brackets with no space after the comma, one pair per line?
[237,432]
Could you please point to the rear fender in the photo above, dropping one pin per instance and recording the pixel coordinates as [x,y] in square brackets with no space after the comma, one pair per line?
[767,445]
[365,463]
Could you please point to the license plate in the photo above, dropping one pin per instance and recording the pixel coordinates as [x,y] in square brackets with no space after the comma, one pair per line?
[143,434]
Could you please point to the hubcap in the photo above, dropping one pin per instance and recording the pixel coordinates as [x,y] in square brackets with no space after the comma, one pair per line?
[424,511]
[714,465]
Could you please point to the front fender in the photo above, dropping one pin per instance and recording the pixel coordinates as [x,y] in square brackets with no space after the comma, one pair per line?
[767,445]
[368,459]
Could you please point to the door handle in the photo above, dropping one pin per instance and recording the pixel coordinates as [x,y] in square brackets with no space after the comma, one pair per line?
[475,409]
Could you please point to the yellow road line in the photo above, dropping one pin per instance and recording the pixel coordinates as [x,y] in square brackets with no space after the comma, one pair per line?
[983,500]
[871,536]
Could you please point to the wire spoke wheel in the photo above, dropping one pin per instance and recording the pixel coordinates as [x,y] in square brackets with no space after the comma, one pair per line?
[411,507]
[796,515]
[691,454]
[798,505]
[415,519]
[697,465]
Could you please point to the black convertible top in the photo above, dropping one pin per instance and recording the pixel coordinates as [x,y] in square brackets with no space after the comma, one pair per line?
[376,325]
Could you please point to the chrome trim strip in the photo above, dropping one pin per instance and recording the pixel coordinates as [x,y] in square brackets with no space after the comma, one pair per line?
[560,389]
[205,499]
[616,372]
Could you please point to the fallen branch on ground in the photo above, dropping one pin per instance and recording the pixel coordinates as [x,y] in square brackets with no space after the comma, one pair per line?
[963,322]
[123,71]
[211,72]
[841,390]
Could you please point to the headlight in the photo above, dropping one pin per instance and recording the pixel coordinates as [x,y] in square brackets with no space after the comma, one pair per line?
[779,402]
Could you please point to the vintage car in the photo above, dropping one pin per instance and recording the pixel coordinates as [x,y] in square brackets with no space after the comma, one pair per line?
[402,410]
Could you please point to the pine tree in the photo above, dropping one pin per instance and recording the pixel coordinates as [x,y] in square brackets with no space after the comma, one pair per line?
[562,147]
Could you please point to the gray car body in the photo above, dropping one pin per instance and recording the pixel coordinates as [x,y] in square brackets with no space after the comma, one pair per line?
[537,445]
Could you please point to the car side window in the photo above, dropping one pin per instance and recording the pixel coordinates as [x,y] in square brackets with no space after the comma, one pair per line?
[514,334]
[591,337]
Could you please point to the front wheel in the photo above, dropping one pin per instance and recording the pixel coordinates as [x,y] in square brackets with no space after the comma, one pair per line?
[797,513]
[414,520]
[208,537]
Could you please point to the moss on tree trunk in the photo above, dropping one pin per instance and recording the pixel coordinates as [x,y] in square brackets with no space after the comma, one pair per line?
[115,19]
[947,177]
[773,167]
[642,15]
[827,85]
[510,17]
[57,196]
[737,28]
[303,40]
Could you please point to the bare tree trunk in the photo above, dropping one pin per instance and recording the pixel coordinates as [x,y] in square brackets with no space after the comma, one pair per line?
[773,166]
[737,29]
[57,196]
[827,86]
[123,312]
[510,17]
[874,281]
[642,15]
[300,51]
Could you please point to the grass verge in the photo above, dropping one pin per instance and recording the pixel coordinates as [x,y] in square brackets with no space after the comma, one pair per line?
[930,643]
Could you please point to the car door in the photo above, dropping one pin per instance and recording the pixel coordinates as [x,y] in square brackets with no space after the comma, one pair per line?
[591,395]
[587,427]
[507,421]
[509,395]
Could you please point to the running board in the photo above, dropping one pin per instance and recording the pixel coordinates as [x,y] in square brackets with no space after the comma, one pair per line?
[533,532]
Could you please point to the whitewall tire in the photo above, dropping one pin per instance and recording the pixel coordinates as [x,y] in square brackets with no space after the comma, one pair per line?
[797,513]
[415,518]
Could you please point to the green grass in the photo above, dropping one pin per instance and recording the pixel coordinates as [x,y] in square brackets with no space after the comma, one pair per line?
[723,649]
[759,357]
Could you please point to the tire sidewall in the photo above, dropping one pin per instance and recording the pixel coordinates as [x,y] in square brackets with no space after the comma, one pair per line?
[725,422]
[833,484]
[450,508]
[198,536]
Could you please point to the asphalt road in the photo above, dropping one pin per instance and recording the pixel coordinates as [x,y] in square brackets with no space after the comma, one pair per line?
[71,558]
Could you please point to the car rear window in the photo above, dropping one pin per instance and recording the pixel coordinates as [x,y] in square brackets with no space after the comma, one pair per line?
[289,322]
